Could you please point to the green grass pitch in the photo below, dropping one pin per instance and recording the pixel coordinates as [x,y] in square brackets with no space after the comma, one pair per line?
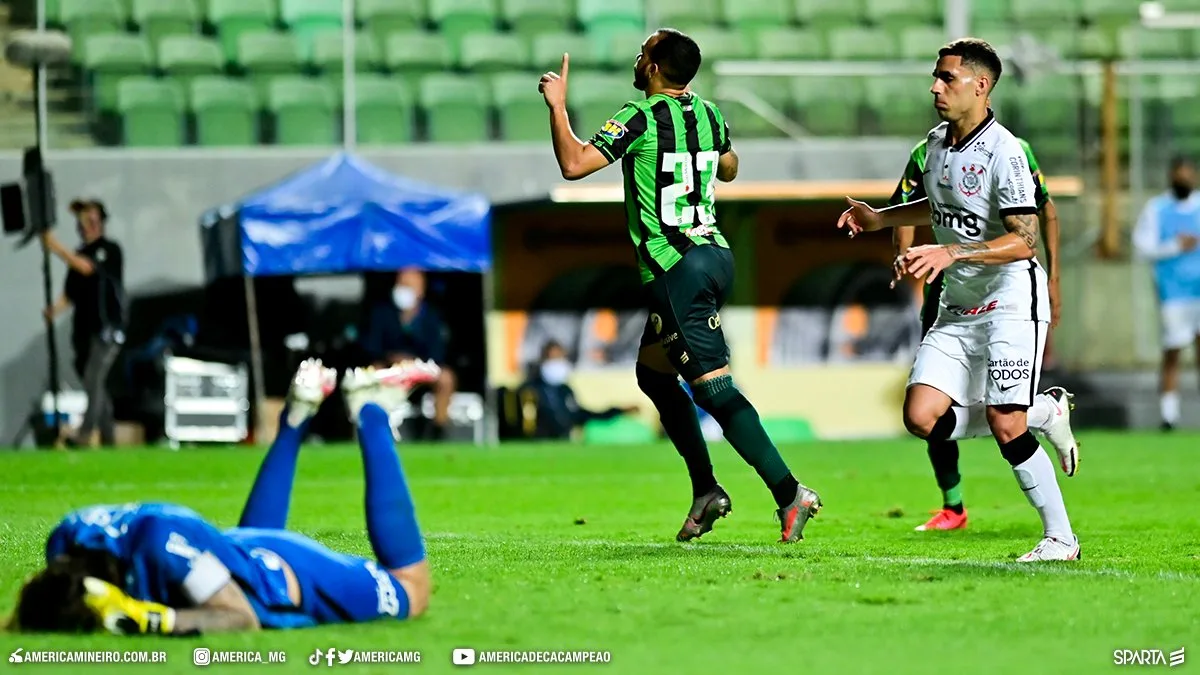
[566,547]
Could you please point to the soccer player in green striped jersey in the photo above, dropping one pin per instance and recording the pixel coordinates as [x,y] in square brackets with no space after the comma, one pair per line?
[943,454]
[673,147]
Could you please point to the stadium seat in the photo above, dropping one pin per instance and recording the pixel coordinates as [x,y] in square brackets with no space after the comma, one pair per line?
[384,111]
[456,18]
[921,43]
[828,106]
[226,112]
[744,119]
[413,55]
[233,18]
[901,105]
[721,45]
[87,18]
[603,18]
[595,98]
[521,112]
[548,48]
[109,58]
[530,18]
[328,52]
[1029,14]
[1095,43]
[151,112]
[381,18]
[754,16]
[1136,42]
[619,50]
[493,52]
[685,15]
[264,56]
[306,18]
[786,44]
[303,110]
[893,14]
[157,19]
[1110,13]
[456,108]
[186,56]
[1049,102]
[825,14]
[861,44]
[990,13]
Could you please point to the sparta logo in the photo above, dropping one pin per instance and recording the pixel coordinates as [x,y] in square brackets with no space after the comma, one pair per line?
[972,180]
[613,129]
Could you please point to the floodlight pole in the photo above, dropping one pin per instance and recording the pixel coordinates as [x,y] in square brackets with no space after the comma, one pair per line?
[39,115]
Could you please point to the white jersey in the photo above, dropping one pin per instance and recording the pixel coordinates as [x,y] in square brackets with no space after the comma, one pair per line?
[971,187]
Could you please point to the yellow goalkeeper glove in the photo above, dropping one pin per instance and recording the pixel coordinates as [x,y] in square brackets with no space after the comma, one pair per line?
[123,615]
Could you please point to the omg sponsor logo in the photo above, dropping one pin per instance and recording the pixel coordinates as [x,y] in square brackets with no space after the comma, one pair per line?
[967,223]
[1010,370]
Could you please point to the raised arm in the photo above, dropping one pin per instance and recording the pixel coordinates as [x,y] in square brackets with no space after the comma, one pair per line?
[576,159]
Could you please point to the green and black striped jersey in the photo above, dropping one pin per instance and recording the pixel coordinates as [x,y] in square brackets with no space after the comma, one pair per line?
[669,148]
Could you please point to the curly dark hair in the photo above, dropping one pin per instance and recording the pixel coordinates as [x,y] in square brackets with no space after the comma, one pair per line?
[52,600]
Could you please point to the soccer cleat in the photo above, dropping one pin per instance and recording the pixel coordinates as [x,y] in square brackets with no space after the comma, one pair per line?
[387,387]
[311,385]
[705,511]
[794,516]
[1050,548]
[1058,430]
[123,615]
[945,520]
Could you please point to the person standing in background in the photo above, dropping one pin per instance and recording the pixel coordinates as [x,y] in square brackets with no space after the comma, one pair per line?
[95,288]
[1166,235]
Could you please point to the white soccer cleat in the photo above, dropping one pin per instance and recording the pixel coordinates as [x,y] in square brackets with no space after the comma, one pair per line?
[1050,548]
[311,385]
[1058,430]
[387,387]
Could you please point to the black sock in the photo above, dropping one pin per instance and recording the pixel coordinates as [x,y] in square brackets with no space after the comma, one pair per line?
[943,455]
[677,414]
[744,431]
[1020,449]
[784,491]
[943,427]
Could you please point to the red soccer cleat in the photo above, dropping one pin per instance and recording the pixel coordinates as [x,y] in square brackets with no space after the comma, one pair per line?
[945,520]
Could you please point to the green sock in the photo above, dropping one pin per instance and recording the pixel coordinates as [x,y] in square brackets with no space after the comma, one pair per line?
[952,498]
[943,455]
[744,431]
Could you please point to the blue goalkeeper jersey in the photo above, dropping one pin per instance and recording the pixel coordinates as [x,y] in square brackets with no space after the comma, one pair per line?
[167,550]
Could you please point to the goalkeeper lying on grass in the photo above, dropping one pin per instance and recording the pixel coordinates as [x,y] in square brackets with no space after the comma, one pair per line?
[160,568]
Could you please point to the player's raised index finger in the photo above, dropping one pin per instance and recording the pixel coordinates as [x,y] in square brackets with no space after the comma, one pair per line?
[566,62]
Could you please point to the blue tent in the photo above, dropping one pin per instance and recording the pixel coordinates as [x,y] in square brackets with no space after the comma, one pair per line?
[344,215]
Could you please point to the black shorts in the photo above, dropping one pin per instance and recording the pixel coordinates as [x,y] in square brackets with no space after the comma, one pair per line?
[929,310]
[685,304]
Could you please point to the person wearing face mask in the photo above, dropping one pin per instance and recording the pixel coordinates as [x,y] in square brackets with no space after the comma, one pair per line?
[95,288]
[558,412]
[1166,235]
[406,327]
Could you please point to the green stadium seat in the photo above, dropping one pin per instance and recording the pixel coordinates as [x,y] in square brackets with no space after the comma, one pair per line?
[183,57]
[109,58]
[456,18]
[721,45]
[828,106]
[755,16]
[990,12]
[861,44]
[1095,43]
[530,18]
[745,121]
[234,18]
[1029,14]
[901,13]
[306,18]
[604,18]
[1136,42]
[901,105]
[226,112]
[521,111]
[86,18]
[826,14]
[303,110]
[790,44]
[381,18]
[1110,13]
[685,15]
[999,34]
[159,18]
[151,112]
[456,108]
[328,52]
[413,55]
[595,98]
[493,52]
[548,48]
[921,43]
[620,50]
[1049,102]
[384,111]
[264,56]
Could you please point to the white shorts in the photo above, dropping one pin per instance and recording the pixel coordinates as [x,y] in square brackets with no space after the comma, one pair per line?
[1180,323]
[995,363]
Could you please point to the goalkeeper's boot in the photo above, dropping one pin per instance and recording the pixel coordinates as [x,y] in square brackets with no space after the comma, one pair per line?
[387,387]
[946,519]
[705,511]
[123,615]
[311,385]
[794,516]
[1052,548]
[1058,430]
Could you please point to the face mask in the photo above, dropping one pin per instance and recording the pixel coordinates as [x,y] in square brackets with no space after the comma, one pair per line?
[1181,190]
[404,297]
[556,371]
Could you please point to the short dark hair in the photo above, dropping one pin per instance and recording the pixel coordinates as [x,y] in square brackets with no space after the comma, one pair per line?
[975,53]
[52,601]
[676,55]
[1181,161]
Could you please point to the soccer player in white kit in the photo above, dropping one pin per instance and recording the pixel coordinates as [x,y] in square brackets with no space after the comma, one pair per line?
[991,330]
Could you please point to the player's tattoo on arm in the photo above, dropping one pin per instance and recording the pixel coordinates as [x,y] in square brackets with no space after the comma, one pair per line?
[960,251]
[1024,226]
